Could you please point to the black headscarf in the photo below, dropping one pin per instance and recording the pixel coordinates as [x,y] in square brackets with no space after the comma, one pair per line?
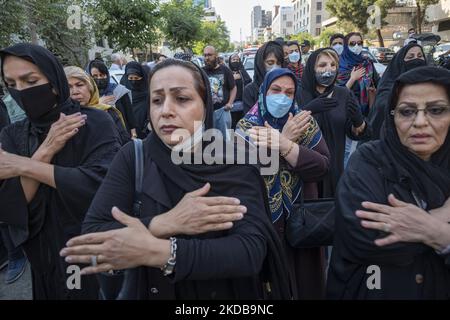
[240,67]
[136,68]
[101,66]
[180,179]
[261,55]
[395,68]
[309,83]
[429,179]
[49,65]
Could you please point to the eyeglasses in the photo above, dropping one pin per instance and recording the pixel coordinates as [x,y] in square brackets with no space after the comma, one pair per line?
[431,112]
[353,43]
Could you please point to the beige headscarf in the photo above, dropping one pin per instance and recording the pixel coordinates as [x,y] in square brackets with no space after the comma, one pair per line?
[94,101]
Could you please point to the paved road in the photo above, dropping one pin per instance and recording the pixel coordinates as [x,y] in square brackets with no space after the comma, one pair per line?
[19,290]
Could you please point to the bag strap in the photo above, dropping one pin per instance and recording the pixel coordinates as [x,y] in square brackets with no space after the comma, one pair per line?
[139,176]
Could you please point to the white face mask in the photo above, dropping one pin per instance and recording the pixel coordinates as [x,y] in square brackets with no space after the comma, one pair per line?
[339,48]
[356,49]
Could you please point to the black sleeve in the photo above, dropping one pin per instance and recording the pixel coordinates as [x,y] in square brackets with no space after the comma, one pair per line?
[250,97]
[240,253]
[352,102]
[376,77]
[4,117]
[126,108]
[362,182]
[231,83]
[117,189]
[13,204]
[246,77]
[76,186]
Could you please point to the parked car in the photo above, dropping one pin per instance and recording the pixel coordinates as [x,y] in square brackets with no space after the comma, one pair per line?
[441,49]
[381,68]
[383,55]
[250,51]
[199,61]
[116,75]
[249,65]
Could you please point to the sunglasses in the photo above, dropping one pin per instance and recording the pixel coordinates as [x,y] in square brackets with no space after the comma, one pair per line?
[354,43]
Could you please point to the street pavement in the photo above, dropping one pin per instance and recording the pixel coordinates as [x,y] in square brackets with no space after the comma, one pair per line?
[19,290]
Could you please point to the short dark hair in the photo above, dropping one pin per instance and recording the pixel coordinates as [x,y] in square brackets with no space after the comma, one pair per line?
[336,36]
[292,43]
[411,29]
[100,65]
[199,85]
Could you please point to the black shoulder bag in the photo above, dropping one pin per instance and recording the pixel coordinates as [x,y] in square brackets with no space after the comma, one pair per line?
[311,223]
[122,284]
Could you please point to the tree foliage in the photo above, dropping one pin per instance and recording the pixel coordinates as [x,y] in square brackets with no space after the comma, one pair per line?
[128,24]
[182,23]
[213,34]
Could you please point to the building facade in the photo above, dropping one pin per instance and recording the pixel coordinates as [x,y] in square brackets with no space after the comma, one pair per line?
[309,15]
[283,21]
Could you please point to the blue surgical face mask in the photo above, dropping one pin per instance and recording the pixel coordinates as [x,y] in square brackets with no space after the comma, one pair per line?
[294,57]
[278,105]
[339,48]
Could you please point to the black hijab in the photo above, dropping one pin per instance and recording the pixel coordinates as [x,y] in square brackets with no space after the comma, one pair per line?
[139,93]
[395,68]
[180,179]
[309,83]
[261,55]
[49,65]
[429,179]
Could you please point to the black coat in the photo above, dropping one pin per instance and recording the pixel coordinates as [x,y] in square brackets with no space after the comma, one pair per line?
[54,215]
[408,270]
[4,117]
[216,265]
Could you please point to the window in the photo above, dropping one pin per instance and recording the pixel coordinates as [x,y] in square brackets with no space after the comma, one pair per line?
[317,32]
[319,6]
[289,24]
[319,19]
[284,32]
[284,17]
[307,20]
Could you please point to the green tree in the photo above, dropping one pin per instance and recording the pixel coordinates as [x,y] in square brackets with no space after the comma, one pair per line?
[422,6]
[213,34]
[45,20]
[324,39]
[48,21]
[12,27]
[355,12]
[128,24]
[302,36]
[182,23]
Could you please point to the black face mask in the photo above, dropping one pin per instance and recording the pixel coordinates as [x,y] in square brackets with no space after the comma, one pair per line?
[411,64]
[36,101]
[137,85]
[102,84]
[325,79]
[235,66]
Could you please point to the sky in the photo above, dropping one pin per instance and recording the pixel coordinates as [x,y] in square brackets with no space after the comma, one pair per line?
[237,14]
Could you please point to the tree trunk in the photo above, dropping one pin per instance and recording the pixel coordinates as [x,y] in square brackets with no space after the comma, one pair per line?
[380,38]
[419,18]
